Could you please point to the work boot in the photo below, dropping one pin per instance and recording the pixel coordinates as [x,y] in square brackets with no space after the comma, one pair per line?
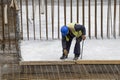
[63,57]
[76,57]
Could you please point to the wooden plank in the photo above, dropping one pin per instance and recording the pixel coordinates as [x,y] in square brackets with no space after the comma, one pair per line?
[70,62]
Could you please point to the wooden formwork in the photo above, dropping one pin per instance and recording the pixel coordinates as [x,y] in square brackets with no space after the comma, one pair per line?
[67,70]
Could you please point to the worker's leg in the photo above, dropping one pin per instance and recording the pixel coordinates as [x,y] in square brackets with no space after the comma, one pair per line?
[68,44]
[77,48]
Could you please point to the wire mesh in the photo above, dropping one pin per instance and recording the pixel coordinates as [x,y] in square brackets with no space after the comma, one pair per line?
[66,71]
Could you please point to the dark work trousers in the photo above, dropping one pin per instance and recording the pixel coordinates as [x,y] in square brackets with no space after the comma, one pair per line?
[76,47]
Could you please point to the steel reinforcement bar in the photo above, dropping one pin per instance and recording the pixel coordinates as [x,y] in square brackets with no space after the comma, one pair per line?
[42,19]
[67,70]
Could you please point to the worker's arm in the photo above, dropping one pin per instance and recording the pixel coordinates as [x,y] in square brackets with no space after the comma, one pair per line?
[83,33]
[79,27]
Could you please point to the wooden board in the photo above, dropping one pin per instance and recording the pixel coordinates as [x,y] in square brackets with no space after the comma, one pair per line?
[70,62]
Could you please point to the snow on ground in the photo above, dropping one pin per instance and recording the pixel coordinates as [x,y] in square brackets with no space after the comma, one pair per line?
[95,49]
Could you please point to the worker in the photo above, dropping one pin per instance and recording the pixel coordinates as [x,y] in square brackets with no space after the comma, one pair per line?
[68,32]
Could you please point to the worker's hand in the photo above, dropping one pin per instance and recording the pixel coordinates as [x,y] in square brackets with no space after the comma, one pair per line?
[65,52]
[83,37]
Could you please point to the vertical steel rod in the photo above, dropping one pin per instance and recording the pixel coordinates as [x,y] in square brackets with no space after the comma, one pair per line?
[64,12]
[89,18]
[83,14]
[114,19]
[33,10]
[52,14]
[71,11]
[77,11]
[39,18]
[46,19]
[108,20]
[21,19]
[102,19]
[96,19]
[58,19]
[119,17]
[27,19]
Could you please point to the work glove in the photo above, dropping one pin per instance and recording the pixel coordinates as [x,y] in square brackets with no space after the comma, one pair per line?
[83,37]
[65,52]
